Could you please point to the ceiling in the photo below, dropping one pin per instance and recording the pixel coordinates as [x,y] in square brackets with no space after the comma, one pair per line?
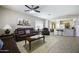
[49,12]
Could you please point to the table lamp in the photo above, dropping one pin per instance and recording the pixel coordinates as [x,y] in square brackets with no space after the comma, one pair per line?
[7,29]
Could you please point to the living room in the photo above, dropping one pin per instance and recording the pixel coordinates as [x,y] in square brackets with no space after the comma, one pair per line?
[60,26]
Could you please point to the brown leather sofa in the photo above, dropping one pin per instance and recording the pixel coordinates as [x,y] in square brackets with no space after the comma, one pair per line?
[9,44]
[21,33]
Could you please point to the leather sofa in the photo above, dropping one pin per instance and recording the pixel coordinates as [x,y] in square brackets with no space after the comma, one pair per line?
[45,31]
[21,33]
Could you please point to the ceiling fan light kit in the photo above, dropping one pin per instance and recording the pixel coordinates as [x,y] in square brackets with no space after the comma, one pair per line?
[32,11]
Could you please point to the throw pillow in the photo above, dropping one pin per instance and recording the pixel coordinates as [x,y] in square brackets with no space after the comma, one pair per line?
[27,31]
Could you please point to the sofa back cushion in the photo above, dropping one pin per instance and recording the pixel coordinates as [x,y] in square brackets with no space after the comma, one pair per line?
[20,31]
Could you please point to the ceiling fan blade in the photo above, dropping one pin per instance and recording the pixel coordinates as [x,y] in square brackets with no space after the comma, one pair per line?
[37,11]
[36,7]
[27,6]
[26,10]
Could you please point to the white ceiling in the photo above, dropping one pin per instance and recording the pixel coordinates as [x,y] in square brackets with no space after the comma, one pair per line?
[49,11]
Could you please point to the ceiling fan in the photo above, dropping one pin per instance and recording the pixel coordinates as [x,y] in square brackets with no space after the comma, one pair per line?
[32,8]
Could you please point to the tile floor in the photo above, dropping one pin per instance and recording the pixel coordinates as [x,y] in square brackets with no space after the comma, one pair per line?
[53,44]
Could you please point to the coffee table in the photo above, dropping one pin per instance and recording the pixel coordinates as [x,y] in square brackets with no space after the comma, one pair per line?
[33,38]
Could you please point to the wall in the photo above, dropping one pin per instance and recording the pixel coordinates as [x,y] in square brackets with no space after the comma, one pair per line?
[46,24]
[11,17]
[77,26]
[39,24]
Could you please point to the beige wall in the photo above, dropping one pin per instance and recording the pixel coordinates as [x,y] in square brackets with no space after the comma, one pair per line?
[11,17]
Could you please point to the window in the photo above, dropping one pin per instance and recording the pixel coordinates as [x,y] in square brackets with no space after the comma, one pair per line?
[38,24]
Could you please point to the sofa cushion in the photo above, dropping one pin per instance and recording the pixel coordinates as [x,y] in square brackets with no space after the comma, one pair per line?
[27,31]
